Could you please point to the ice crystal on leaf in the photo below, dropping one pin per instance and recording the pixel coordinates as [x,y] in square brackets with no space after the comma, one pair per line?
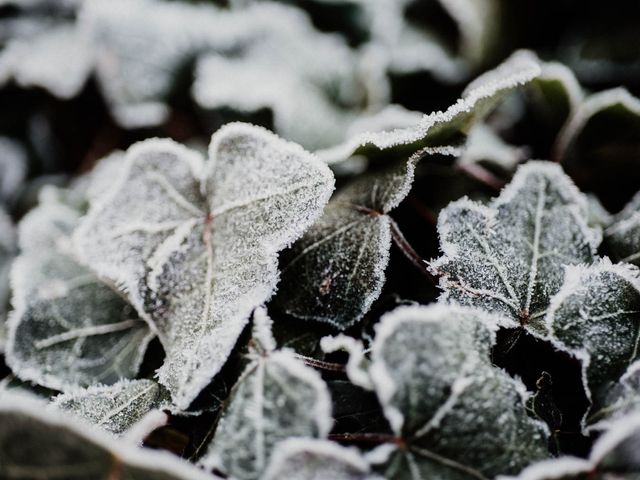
[306,459]
[7,253]
[596,317]
[114,408]
[508,257]
[458,416]
[613,456]
[618,400]
[55,445]
[276,398]
[68,328]
[195,243]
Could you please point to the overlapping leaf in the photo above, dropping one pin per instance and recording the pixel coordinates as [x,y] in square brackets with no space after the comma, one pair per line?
[114,408]
[620,399]
[509,256]
[613,456]
[197,241]
[54,445]
[68,328]
[622,238]
[456,415]
[305,459]
[7,254]
[277,398]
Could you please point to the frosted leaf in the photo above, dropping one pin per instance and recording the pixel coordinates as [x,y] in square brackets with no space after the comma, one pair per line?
[596,317]
[306,459]
[485,146]
[7,254]
[458,416]
[276,398]
[597,142]
[104,175]
[442,128]
[622,238]
[613,456]
[55,445]
[621,399]
[13,168]
[68,328]
[508,257]
[114,408]
[198,241]
[58,59]
[598,215]
[337,269]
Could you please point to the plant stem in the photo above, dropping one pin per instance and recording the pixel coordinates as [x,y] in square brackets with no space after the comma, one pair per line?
[408,251]
[312,362]
[481,174]
[377,438]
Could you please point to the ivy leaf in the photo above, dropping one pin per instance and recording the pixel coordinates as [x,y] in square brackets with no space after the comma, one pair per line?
[198,241]
[596,146]
[508,257]
[596,317]
[613,456]
[337,269]
[456,415]
[622,238]
[620,399]
[7,254]
[114,408]
[68,328]
[441,128]
[310,459]
[54,445]
[277,397]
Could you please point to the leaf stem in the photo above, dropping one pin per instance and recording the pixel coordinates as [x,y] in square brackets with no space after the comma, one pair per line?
[481,174]
[408,251]
[320,364]
[363,437]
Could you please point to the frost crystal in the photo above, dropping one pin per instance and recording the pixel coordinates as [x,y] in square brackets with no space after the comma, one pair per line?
[195,243]
[7,253]
[442,128]
[337,269]
[622,238]
[277,397]
[432,372]
[596,317]
[54,445]
[114,408]
[613,456]
[306,459]
[68,327]
[508,257]
[621,399]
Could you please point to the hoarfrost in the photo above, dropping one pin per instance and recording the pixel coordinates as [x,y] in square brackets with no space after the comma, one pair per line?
[198,241]
[8,250]
[68,328]
[115,408]
[622,238]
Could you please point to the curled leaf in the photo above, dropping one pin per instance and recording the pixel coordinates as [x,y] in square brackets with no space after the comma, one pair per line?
[198,241]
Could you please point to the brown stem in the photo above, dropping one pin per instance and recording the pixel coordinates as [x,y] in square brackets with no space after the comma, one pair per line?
[377,438]
[421,209]
[312,362]
[408,251]
[481,174]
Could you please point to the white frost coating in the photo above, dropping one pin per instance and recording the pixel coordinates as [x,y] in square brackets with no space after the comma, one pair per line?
[198,241]
[561,469]
[278,397]
[307,459]
[622,237]
[140,430]
[595,316]
[23,414]
[13,168]
[619,400]
[59,60]
[262,329]
[508,256]
[443,352]
[516,71]
[588,108]
[8,251]
[115,408]
[357,370]
[68,328]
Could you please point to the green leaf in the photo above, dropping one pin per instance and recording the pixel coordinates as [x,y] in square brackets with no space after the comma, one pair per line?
[37,442]
[455,414]
[114,408]
[277,398]
[622,237]
[307,459]
[620,399]
[198,241]
[596,317]
[68,328]
[508,257]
